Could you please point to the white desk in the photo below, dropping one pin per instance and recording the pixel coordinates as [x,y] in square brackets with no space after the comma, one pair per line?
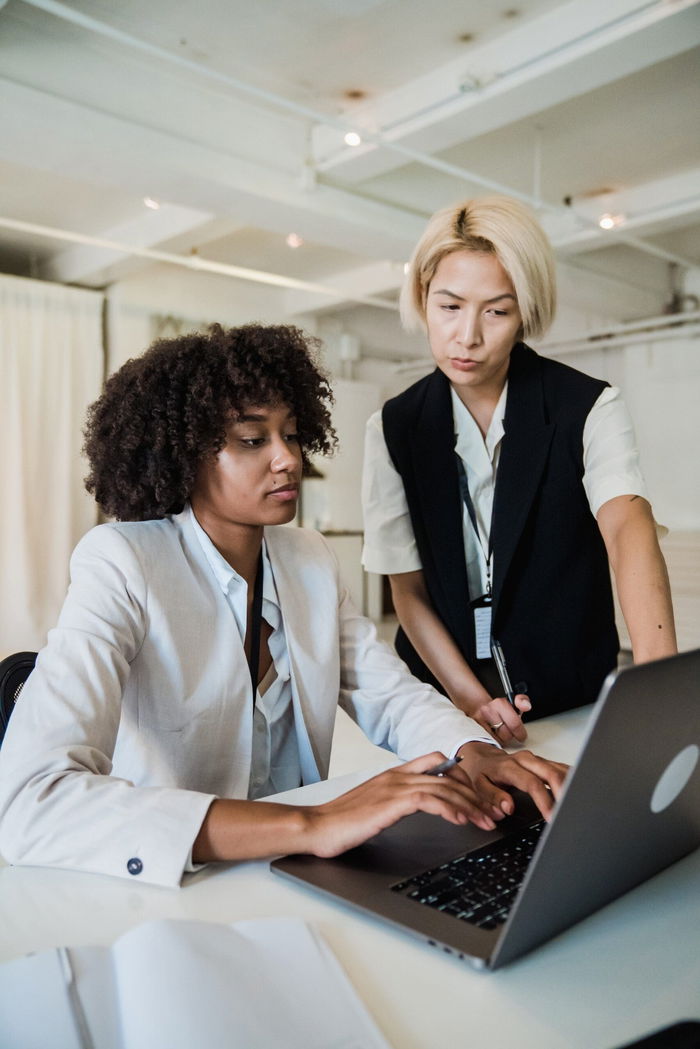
[627,970]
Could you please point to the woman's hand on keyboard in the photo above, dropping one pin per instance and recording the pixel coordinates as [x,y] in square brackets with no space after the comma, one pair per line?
[490,770]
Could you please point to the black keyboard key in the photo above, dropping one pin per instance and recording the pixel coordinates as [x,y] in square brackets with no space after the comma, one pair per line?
[480,886]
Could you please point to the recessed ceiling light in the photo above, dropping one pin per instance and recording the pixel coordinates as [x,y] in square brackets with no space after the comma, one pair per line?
[352,139]
[294,240]
[150,202]
[608,221]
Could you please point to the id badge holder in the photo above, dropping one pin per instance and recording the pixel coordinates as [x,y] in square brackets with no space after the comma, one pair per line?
[481,611]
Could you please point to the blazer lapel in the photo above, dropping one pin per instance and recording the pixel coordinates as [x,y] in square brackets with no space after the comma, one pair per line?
[437,483]
[524,453]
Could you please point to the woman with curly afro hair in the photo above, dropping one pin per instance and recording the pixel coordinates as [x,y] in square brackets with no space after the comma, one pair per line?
[203,648]
[162,414]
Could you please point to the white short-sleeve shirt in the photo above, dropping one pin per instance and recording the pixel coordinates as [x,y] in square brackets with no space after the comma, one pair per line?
[611,468]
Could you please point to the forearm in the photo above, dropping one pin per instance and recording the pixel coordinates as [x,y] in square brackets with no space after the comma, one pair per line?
[252,830]
[645,599]
[641,577]
[433,642]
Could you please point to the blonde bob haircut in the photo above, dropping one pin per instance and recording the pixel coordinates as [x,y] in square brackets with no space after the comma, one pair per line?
[496,226]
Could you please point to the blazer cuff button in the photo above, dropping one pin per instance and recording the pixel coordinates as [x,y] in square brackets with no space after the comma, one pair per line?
[134,865]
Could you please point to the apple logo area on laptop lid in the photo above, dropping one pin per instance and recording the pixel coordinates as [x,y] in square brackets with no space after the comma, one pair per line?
[630,807]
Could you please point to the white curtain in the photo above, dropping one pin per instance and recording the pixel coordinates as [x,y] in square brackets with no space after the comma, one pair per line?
[51,368]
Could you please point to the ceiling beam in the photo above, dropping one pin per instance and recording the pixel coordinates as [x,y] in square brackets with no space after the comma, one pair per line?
[364,282]
[86,264]
[642,210]
[71,139]
[572,49]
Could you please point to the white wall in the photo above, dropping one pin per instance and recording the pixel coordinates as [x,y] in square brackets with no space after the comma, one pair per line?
[337,497]
[662,384]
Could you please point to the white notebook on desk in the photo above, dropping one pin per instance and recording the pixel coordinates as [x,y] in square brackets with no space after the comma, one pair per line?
[269,984]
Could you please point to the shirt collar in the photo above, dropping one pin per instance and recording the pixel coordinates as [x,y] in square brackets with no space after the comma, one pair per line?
[224,574]
[467,430]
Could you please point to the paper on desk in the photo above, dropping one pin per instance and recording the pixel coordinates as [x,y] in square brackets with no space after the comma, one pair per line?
[271,984]
[35,1011]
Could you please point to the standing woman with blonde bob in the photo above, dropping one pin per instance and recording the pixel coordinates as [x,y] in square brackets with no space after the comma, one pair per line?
[500,489]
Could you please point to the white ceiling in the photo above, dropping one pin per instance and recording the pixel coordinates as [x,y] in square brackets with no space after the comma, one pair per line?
[232,116]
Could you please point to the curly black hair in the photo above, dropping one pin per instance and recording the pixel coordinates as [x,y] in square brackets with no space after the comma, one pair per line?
[163,413]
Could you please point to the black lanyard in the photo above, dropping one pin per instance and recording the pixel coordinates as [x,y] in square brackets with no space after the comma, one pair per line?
[255,623]
[468,502]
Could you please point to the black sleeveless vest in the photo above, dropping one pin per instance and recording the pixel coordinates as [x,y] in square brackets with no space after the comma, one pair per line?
[552,599]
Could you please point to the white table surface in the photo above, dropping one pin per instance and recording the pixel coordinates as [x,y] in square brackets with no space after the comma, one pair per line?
[623,972]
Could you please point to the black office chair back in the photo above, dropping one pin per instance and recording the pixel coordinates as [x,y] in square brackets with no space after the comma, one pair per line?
[14,671]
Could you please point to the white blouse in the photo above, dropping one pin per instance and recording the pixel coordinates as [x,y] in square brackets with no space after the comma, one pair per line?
[275,764]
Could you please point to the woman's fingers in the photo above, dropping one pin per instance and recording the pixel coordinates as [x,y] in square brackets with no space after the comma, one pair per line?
[451,795]
[380,802]
[490,768]
[503,721]
[488,804]
[522,702]
[552,773]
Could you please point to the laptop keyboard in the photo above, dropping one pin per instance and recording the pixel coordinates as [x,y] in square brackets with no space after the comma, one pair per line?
[481,886]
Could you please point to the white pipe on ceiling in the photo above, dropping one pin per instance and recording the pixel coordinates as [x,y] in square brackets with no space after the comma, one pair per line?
[194,262]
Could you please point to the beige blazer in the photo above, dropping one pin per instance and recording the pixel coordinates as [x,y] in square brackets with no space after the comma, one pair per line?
[138,713]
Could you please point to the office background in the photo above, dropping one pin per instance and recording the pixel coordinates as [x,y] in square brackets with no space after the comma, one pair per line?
[162,168]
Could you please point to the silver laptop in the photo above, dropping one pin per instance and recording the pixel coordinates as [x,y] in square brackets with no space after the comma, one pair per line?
[630,807]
